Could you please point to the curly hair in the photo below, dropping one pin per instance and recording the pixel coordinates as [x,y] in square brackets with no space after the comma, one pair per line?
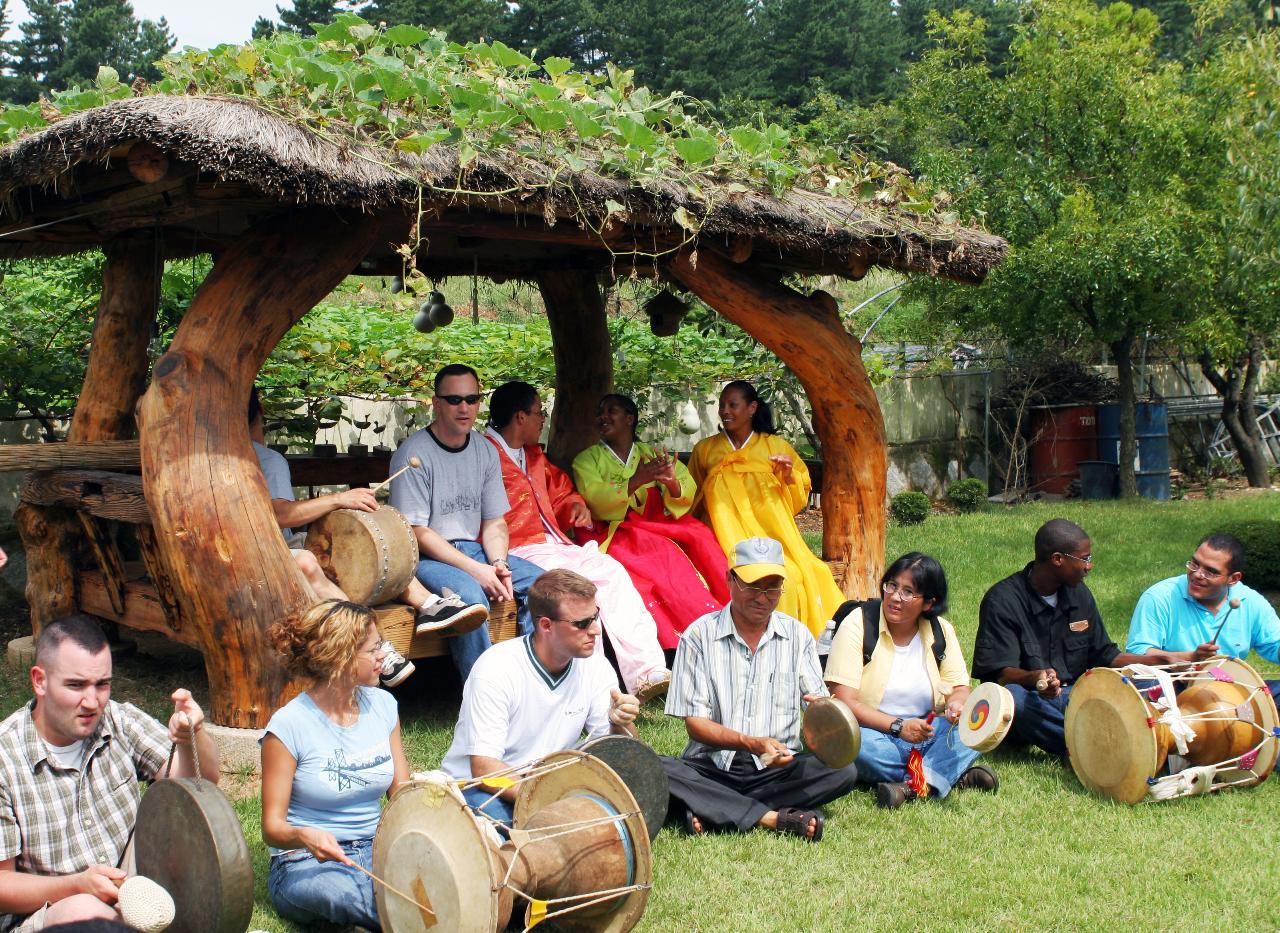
[321,644]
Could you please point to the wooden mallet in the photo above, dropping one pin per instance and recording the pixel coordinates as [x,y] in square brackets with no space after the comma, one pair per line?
[1232,605]
[413,462]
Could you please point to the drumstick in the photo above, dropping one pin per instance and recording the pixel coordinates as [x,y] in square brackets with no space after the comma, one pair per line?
[1231,607]
[427,911]
[413,462]
[1042,684]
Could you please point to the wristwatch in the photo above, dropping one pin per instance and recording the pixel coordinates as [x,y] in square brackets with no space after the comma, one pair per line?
[500,560]
[895,728]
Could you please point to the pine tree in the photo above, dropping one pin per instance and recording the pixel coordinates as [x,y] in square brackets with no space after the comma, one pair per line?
[461,20]
[40,50]
[263,28]
[855,47]
[105,32]
[571,29]
[306,12]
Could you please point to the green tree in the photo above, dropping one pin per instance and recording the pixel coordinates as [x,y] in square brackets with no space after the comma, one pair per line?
[1000,16]
[1074,156]
[461,20]
[855,47]
[1238,290]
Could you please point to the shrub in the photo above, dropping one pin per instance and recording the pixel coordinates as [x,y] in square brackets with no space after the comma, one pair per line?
[909,508]
[968,495]
[1261,540]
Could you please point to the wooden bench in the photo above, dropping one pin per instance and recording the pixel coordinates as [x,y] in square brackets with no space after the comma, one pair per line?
[144,610]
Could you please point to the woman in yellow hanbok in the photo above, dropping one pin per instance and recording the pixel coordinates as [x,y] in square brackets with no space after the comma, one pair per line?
[751,483]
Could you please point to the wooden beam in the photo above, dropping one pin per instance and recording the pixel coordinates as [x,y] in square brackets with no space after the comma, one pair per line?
[115,496]
[107,554]
[93,455]
[583,355]
[214,529]
[808,336]
[142,607]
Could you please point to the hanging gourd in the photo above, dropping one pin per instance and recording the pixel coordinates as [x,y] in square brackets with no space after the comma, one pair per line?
[665,311]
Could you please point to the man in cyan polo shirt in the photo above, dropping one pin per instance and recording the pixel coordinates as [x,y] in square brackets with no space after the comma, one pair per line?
[1040,629]
[1180,617]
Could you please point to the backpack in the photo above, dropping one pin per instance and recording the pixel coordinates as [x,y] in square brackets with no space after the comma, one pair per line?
[871,629]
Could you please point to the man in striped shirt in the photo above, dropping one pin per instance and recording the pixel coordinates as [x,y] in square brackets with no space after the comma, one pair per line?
[70,763]
[739,678]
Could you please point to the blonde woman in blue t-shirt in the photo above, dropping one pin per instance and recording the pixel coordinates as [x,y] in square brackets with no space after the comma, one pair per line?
[328,757]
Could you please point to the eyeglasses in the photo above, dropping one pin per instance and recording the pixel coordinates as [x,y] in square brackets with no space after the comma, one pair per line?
[582,624]
[536,414]
[772,592]
[456,400]
[904,593]
[1087,560]
[374,651]
[1195,568]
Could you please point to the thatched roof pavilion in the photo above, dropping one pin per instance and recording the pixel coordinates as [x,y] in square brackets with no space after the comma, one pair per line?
[287,215]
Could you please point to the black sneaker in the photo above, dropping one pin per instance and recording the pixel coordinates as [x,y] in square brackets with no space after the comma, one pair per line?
[395,666]
[449,611]
[979,777]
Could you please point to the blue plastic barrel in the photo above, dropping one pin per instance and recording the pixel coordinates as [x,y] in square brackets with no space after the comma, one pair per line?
[1151,421]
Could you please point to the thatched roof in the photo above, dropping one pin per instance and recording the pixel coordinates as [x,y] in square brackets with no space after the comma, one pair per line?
[231,164]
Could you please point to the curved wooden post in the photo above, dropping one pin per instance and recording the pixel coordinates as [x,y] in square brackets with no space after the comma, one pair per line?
[583,355]
[210,509]
[808,335]
[113,380]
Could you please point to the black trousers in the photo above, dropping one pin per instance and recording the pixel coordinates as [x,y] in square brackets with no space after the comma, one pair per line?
[741,795]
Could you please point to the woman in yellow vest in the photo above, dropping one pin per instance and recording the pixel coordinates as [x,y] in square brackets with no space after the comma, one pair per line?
[751,483]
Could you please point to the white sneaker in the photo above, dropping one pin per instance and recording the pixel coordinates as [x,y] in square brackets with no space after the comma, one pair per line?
[395,666]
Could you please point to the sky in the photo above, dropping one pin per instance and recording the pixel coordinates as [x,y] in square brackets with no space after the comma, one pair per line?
[199,23]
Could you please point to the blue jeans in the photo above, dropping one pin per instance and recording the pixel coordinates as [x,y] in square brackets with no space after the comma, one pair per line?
[306,891]
[497,808]
[435,575]
[884,758]
[1037,721]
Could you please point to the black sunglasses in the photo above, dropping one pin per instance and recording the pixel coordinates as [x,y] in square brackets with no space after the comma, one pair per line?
[456,400]
[582,624]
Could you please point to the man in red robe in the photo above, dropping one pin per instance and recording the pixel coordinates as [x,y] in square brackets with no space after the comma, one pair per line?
[543,504]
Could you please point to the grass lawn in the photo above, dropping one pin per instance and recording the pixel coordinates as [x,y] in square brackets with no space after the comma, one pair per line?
[1042,853]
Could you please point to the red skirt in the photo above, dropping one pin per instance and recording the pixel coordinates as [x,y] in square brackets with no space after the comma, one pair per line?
[676,564]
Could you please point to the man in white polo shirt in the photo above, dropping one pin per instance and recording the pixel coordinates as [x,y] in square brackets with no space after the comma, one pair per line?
[528,697]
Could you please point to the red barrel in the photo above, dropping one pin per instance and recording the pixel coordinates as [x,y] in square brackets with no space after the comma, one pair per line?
[1061,438]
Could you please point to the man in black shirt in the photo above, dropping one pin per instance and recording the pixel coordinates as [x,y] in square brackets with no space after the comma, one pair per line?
[1040,629]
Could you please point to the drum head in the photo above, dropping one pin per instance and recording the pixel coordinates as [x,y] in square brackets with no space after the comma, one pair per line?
[1112,749]
[1262,711]
[590,776]
[187,839]
[371,555]
[431,846]
[987,717]
[640,769]
[831,732]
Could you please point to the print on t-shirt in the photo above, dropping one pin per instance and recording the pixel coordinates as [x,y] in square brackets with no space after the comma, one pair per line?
[346,774]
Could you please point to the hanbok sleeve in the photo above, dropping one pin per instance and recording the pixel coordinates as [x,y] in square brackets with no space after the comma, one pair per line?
[606,497]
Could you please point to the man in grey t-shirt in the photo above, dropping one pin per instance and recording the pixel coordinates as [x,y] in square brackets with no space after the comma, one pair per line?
[456,503]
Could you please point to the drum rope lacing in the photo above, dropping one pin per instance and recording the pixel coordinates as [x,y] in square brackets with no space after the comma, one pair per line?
[538,908]
[1172,717]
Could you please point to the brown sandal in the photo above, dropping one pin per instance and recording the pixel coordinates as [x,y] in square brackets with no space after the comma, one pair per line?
[796,822]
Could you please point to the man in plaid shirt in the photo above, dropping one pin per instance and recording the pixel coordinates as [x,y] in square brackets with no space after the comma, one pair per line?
[70,763]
